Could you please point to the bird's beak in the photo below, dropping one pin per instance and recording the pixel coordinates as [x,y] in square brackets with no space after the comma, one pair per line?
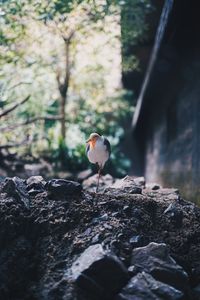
[88,140]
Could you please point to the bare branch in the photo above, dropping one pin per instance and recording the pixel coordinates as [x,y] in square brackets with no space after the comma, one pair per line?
[29,121]
[18,84]
[9,110]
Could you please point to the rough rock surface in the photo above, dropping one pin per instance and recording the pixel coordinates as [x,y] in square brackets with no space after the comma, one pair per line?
[144,286]
[42,237]
[155,260]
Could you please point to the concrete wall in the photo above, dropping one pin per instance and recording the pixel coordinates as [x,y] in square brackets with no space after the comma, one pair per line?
[172,148]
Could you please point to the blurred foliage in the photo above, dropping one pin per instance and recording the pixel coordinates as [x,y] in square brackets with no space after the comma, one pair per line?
[134,30]
[32,53]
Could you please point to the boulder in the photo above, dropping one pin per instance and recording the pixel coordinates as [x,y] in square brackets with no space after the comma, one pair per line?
[99,273]
[59,189]
[155,260]
[143,286]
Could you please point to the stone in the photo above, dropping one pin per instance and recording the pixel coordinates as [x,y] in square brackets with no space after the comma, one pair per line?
[140,181]
[175,214]
[153,186]
[35,180]
[61,188]
[102,218]
[155,259]
[125,185]
[99,273]
[143,286]
[15,187]
[162,194]
[135,240]
[35,185]
[83,175]
[90,184]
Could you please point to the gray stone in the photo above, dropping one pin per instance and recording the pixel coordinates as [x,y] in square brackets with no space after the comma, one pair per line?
[16,188]
[140,181]
[35,185]
[135,240]
[59,189]
[99,273]
[162,194]
[175,214]
[143,286]
[125,185]
[35,180]
[155,259]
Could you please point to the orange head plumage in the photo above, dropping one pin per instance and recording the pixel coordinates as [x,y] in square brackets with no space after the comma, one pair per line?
[92,139]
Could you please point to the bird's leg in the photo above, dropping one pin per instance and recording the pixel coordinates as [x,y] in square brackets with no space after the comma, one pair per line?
[99,175]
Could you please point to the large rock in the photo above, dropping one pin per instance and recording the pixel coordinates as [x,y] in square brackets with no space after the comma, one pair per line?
[155,259]
[125,185]
[99,273]
[16,187]
[60,188]
[144,287]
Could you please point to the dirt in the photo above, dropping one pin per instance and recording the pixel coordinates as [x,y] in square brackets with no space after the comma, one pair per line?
[40,241]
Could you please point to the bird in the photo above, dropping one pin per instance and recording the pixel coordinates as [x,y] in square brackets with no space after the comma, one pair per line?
[98,151]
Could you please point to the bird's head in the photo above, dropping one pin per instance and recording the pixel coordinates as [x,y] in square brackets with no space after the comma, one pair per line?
[92,139]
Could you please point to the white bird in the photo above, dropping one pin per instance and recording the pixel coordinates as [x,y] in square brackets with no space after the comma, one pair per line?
[98,152]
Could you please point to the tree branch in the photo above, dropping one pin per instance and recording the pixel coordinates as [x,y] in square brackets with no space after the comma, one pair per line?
[29,121]
[9,110]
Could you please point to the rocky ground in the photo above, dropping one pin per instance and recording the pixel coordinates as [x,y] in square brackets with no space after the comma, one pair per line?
[130,241]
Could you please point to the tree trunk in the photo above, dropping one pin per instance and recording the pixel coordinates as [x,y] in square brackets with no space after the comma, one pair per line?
[63,87]
[63,119]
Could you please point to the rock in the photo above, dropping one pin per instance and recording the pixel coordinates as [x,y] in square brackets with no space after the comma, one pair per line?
[175,214]
[140,181]
[99,273]
[143,286]
[153,186]
[61,188]
[35,185]
[162,194]
[90,184]
[83,175]
[35,180]
[34,169]
[16,188]
[196,292]
[135,240]
[102,218]
[125,185]
[155,259]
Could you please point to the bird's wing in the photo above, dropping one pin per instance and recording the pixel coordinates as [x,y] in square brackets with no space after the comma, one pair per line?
[107,144]
[87,148]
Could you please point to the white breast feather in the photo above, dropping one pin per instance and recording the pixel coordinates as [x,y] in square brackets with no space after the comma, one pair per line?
[98,154]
